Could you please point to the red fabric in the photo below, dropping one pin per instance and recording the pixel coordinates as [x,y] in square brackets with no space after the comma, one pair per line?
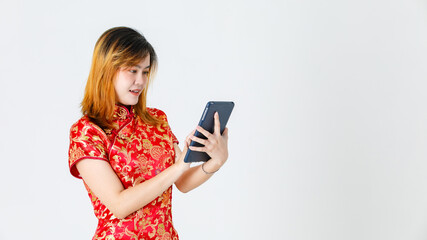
[136,152]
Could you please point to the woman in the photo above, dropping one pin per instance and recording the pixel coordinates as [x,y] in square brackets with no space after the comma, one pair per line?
[126,153]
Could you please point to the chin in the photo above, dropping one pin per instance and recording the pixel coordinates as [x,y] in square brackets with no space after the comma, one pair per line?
[129,100]
[128,103]
[131,103]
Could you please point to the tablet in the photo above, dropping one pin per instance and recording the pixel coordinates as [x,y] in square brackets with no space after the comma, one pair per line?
[207,122]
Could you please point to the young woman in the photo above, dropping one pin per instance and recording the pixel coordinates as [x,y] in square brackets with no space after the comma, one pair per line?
[125,152]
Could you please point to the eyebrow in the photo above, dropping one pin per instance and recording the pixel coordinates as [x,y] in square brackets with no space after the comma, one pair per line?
[141,67]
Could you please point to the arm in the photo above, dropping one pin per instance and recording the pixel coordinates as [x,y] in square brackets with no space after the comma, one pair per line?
[105,184]
[215,146]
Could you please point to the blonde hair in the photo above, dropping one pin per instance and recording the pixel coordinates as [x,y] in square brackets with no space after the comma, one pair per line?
[117,47]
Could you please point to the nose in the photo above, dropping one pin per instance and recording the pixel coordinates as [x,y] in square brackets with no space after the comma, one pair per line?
[140,79]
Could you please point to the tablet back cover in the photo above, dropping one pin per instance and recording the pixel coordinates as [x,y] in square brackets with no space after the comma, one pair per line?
[207,122]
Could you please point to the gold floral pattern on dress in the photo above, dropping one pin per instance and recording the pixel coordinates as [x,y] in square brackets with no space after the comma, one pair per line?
[136,152]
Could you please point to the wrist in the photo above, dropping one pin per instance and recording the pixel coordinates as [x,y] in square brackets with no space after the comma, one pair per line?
[181,166]
[211,166]
[176,167]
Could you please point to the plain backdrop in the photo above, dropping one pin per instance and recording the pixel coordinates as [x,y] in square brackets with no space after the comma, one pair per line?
[328,139]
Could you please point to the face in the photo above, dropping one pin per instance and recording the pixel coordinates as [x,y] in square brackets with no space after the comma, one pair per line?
[130,81]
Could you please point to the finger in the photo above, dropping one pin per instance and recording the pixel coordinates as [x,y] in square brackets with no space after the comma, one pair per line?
[197,149]
[204,132]
[184,149]
[188,138]
[184,152]
[191,133]
[217,126]
[225,133]
[199,140]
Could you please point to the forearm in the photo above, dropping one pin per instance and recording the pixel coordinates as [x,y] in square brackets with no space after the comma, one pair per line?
[131,199]
[195,176]
[104,183]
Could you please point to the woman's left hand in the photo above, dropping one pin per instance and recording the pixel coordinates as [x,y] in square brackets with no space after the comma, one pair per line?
[216,145]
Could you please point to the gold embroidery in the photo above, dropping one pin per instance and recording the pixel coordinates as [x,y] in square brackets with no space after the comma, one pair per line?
[138,153]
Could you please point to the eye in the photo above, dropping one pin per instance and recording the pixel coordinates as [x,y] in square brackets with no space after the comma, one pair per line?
[132,70]
[145,72]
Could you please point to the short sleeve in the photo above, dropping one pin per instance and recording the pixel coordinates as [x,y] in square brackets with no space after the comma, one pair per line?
[174,139]
[162,115]
[86,142]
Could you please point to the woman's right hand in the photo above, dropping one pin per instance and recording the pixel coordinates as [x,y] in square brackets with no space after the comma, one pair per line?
[179,156]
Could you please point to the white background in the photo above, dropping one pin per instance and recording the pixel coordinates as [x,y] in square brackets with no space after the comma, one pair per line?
[328,139]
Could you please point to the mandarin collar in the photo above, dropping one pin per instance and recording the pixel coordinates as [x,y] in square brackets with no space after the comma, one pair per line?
[122,113]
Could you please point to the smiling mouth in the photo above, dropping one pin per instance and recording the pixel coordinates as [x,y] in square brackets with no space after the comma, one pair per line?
[135,92]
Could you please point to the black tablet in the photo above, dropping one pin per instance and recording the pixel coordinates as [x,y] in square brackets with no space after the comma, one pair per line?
[207,122]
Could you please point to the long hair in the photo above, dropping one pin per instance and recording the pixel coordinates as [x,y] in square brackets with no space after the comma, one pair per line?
[117,47]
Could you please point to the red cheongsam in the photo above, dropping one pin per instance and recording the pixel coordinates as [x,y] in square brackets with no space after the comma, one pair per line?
[136,152]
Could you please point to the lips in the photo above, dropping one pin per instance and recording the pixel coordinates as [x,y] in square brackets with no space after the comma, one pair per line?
[135,92]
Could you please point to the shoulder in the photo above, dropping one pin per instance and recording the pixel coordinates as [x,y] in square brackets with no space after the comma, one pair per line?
[87,141]
[85,126]
[157,113]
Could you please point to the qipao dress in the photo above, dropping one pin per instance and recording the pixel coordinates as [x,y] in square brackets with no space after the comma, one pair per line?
[136,152]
